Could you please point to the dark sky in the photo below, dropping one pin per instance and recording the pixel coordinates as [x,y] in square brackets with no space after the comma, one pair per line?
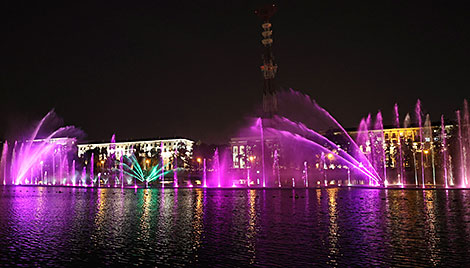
[144,69]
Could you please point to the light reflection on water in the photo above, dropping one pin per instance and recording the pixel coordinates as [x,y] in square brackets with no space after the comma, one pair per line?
[233,228]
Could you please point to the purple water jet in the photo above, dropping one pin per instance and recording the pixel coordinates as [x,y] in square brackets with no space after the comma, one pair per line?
[380,145]
[463,171]
[261,131]
[73,173]
[30,158]
[162,175]
[121,171]
[92,163]
[418,113]
[444,151]
[217,166]
[429,147]
[401,178]
[204,173]
[3,162]
[175,168]
[466,138]
[305,174]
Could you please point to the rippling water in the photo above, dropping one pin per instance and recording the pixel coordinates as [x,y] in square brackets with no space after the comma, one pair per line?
[232,228]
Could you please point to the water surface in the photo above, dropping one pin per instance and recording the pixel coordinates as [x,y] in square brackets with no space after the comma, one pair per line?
[54,226]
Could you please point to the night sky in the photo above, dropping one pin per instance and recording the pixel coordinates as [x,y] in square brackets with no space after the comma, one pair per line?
[144,69]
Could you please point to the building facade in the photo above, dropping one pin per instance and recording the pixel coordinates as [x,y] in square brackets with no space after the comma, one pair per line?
[166,148]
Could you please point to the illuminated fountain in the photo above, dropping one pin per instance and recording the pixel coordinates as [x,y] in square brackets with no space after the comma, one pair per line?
[217,167]
[300,145]
[299,134]
[175,169]
[204,174]
[40,158]
[419,154]
[400,141]
[3,164]
[133,169]
[421,143]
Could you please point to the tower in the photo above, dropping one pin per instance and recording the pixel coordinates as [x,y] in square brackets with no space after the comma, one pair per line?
[269,68]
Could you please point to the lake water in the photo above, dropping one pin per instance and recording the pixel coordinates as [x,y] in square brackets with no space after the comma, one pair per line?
[56,226]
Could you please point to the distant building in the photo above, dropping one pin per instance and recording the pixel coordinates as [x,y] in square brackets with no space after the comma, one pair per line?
[146,147]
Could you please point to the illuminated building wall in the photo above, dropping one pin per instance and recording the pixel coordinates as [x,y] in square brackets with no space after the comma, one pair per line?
[129,148]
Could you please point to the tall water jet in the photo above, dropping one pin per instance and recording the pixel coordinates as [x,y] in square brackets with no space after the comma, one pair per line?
[463,171]
[3,162]
[305,174]
[380,144]
[62,167]
[276,170]
[430,150]
[204,173]
[175,168]
[407,121]
[73,173]
[349,177]
[121,171]
[83,178]
[53,167]
[67,170]
[248,171]
[418,112]
[363,137]
[400,148]
[217,166]
[466,130]
[13,164]
[162,174]
[366,147]
[444,151]
[111,159]
[262,150]
[92,163]
[323,168]
[406,124]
